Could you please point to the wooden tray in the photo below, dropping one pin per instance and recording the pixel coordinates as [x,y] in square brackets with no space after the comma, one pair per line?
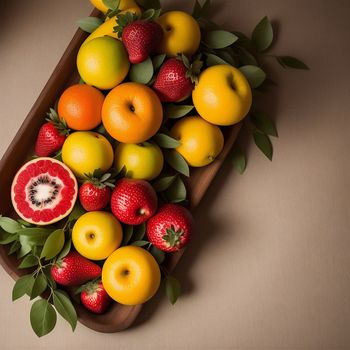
[119,317]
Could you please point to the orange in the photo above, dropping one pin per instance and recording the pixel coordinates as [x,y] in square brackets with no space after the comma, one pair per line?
[132,113]
[80,106]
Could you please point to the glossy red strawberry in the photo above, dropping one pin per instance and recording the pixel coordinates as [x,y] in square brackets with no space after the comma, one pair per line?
[95,192]
[176,79]
[51,135]
[133,201]
[74,270]
[94,297]
[170,229]
[140,39]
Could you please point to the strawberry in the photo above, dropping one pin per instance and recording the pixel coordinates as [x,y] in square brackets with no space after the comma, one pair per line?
[176,79]
[140,37]
[170,229]
[74,269]
[133,201]
[94,297]
[95,192]
[51,135]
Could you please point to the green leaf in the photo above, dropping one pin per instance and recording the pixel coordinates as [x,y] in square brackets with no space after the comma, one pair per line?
[163,183]
[8,238]
[218,39]
[39,286]
[23,285]
[148,14]
[81,81]
[213,60]
[176,111]
[264,123]
[291,62]
[139,243]
[9,225]
[139,232]
[201,9]
[77,212]
[238,159]
[111,4]
[53,244]
[158,60]
[29,242]
[142,72]
[28,261]
[166,141]
[158,254]
[24,223]
[14,247]
[177,191]
[89,24]
[65,307]
[262,36]
[149,4]
[264,144]
[246,58]
[227,55]
[36,232]
[177,162]
[254,75]
[66,249]
[172,288]
[127,234]
[43,317]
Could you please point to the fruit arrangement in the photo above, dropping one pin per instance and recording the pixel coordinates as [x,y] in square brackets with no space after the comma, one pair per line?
[103,201]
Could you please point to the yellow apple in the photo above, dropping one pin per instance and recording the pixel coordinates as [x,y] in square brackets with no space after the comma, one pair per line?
[131,275]
[96,235]
[181,33]
[223,95]
[85,151]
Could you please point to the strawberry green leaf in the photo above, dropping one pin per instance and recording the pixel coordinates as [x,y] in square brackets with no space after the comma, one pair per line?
[177,162]
[89,24]
[9,225]
[173,111]
[264,144]
[65,307]
[142,72]
[165,141]
[163,183]
[23,285]
[39,286]
[262,36]
[172,289]
[238,159]
[53,244]
[254,75]
[43,317]
[219,39]
[291,62]
[148,14]
[264,123]
[28,261]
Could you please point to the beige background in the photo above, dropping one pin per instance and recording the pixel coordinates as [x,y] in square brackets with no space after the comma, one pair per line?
[269,267]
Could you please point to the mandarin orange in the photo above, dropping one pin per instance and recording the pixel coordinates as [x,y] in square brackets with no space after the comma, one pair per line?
[80,106]
[132,113]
